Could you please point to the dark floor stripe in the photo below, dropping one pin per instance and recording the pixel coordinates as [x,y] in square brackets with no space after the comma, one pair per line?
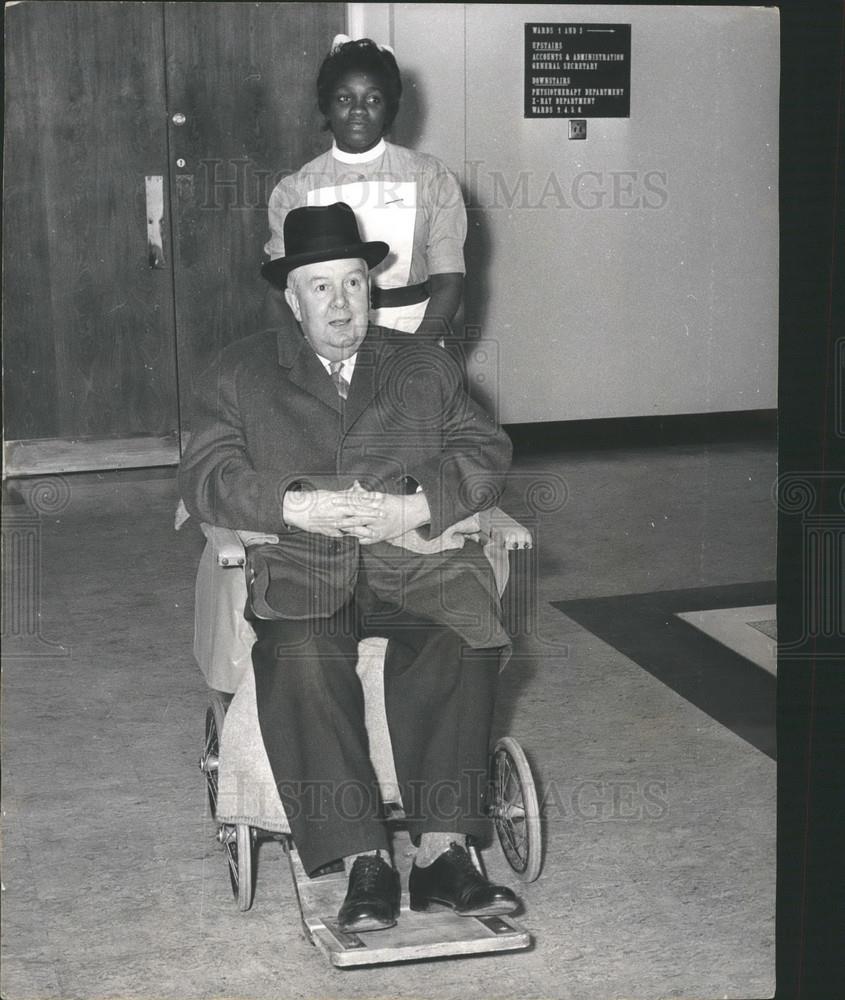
[644,432]
[728,687]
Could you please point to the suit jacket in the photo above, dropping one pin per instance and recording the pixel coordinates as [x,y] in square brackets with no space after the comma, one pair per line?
[267,418]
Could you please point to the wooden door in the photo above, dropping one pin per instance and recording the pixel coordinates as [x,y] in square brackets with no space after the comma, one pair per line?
[90,377]
[204,106]
[242,113]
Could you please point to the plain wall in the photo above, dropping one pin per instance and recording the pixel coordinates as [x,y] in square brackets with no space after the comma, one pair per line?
[630,274]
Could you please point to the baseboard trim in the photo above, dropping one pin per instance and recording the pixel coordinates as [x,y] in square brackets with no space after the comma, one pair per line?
[54,456]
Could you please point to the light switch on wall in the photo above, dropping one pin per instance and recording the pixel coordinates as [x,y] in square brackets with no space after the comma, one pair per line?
[577,128]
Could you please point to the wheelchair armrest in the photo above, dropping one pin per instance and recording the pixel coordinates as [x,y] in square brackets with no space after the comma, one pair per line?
[499,527]
[504,530]
[228,547]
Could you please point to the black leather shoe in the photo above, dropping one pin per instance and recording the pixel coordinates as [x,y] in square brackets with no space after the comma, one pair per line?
[454,881]
[372,899]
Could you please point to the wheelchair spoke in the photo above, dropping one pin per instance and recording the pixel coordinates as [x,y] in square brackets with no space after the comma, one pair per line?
[511,788]
[510,784]
[232,858]
[210,758]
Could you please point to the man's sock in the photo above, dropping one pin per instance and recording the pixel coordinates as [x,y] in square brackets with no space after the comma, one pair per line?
[432,845]
[349,859]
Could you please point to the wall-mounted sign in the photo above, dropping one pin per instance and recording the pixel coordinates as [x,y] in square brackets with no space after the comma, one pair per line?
[577,70]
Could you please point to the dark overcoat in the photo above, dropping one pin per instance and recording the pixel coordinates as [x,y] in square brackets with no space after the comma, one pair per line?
[267,418]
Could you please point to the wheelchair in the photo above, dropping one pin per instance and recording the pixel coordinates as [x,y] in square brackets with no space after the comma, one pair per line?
[245,803]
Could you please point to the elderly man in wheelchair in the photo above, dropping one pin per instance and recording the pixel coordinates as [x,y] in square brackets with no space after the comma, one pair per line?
[357,453]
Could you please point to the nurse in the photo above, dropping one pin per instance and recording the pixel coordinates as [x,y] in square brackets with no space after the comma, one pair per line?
[407,199]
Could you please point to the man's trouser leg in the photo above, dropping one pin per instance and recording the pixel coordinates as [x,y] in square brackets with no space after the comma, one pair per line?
[440,695]
[311,712]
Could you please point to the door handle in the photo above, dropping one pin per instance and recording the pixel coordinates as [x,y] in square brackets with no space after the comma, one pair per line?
[155,220]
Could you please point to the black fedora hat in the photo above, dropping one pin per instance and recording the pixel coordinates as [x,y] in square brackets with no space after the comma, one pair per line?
[316,233]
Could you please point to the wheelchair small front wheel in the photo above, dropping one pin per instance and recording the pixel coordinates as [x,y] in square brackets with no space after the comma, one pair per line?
[515,810]
[239,844]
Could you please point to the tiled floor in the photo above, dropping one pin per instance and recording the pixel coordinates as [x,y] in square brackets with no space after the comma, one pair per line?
[659,822]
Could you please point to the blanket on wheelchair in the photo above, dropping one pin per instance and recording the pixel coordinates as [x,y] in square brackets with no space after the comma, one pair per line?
[246,788]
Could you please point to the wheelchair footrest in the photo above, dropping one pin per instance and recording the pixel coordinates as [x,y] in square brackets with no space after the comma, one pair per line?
[434,934]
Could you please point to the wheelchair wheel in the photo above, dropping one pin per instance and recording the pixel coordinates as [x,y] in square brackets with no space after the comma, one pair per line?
[210,758]
[515,810]
[239,844]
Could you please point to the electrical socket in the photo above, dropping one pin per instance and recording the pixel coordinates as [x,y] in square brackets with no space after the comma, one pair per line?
[577,128]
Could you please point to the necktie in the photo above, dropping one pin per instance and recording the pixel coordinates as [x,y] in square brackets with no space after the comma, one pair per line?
[340,382]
